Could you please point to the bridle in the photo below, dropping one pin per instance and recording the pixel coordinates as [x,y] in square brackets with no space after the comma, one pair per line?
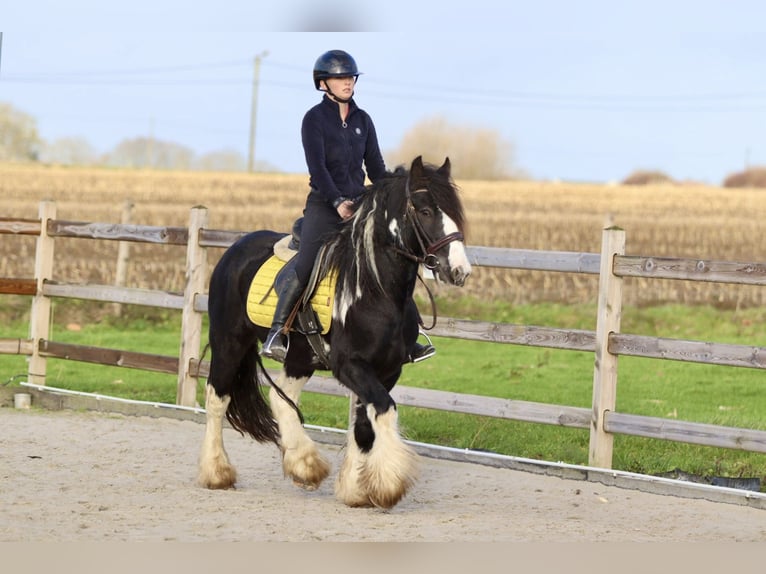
[427,247]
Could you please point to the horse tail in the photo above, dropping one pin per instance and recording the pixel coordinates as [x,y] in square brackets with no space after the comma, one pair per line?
[249,411]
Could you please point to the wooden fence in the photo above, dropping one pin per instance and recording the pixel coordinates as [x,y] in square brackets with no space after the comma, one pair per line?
[607,343]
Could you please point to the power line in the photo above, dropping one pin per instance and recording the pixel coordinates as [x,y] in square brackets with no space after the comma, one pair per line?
[31,80]
[400,91]
[144,70]
[413,90]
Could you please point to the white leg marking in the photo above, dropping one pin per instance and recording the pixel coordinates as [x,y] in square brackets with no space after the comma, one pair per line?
[301,460]
[348,488]
[215,471]
[391,466]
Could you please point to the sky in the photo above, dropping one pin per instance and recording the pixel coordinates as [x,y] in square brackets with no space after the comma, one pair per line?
[584,90]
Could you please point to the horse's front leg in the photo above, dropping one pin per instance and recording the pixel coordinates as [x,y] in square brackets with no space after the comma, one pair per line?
[379,467]
[391,467]
[215,470]
[301,461]
[348,484]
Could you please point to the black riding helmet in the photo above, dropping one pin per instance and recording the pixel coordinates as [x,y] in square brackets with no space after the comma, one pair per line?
[334,64]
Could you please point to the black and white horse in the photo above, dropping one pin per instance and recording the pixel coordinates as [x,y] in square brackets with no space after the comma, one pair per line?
[410,219]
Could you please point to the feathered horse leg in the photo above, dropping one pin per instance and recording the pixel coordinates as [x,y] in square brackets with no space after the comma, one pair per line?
[215,470]
[348,484]
[390,468]
[382,474]
[301,461]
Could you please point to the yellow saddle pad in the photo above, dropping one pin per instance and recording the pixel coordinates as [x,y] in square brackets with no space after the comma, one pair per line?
[261,311]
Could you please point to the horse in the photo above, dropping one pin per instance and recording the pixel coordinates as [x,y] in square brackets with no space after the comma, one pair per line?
[412,217]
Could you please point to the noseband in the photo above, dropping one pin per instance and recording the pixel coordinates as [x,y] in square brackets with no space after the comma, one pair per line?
[427,247]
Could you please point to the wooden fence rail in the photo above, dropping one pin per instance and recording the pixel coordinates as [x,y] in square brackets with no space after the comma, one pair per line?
[607,343]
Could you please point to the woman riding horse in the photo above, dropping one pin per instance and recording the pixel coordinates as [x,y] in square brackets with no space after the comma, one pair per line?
[338,137]
[410,219]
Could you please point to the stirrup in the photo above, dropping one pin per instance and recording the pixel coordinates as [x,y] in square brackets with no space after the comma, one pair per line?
[422,352]
[276,346]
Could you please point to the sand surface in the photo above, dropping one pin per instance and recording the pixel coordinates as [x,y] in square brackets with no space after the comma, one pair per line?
[84,476]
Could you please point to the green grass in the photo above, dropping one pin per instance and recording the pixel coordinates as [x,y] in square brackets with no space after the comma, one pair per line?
[725,396]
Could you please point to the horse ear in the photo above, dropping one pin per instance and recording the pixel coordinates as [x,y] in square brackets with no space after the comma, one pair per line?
[416,169]
[445,168]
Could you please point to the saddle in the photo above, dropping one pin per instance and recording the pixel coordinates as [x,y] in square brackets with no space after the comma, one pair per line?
[312,314]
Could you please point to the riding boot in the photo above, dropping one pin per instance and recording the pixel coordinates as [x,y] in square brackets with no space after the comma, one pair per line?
[277,341]
[422,352]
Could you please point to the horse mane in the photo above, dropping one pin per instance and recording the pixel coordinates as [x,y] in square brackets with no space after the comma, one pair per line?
[351,253]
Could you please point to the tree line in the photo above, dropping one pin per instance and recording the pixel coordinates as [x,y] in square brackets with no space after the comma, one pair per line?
[20,141]
[476,153]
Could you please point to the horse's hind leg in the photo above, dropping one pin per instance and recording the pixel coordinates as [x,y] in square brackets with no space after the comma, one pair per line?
[215,470]
[301,461]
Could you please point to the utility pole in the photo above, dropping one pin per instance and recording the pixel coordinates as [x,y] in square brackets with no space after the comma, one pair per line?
[150,146]
[253,110]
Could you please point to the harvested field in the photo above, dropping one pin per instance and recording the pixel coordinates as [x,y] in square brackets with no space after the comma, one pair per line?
[662,220]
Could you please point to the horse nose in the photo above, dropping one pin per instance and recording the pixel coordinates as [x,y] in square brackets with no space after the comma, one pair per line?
[459,275]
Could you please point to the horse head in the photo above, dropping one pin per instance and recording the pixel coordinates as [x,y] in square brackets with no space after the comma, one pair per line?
[434,223]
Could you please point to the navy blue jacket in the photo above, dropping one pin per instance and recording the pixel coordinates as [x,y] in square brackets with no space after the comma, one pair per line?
[335,151]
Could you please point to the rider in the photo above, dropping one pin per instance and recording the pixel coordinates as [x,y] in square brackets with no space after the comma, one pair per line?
[338,137]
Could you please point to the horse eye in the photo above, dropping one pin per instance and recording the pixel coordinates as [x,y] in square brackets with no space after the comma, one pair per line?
[426,212]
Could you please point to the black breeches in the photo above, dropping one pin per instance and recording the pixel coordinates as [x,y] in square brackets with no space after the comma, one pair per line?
[320,220]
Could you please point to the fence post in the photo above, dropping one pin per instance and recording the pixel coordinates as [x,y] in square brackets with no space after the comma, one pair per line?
[191,320]
[40,319]
[123,255]
[605,369]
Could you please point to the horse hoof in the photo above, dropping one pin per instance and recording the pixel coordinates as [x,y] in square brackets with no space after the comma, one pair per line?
[351,495]
[220,479]
[387,499]
[362,502]
[307,471]
[367,496]
[307,486]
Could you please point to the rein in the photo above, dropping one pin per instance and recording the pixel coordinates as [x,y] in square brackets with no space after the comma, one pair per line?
[433,307]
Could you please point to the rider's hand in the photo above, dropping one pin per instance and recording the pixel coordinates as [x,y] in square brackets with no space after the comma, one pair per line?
[346,209]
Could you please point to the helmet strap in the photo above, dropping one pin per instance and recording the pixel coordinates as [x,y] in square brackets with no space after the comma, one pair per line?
[338,99]
[334,97]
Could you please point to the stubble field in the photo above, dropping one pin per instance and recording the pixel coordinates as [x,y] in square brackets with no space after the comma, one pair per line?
[663,220]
